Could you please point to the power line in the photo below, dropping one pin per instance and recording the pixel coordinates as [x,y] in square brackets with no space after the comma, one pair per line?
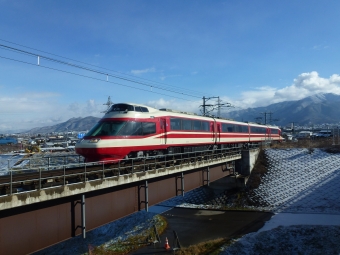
[89,77]
[93,70]
[88,69]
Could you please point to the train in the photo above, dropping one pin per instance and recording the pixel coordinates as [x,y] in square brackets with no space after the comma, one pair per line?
[130,130]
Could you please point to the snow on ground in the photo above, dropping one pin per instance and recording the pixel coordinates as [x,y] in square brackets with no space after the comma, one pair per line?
[37,160]
[8,160]
[302,188]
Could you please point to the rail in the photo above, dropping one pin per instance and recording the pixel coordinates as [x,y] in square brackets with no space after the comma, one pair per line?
[26,180]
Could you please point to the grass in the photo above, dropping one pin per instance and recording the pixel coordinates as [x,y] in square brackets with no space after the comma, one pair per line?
[206,248]
[134,242]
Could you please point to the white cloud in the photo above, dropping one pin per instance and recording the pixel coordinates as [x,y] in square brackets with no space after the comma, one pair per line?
[27,111]
[188,106]
[163,77]
[147,70]
[306,84]
[320,47]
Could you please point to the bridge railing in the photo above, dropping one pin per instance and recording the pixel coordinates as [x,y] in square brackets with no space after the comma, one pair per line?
[37,178]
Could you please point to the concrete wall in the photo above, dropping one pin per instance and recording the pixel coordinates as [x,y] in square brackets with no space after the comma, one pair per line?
[244,167]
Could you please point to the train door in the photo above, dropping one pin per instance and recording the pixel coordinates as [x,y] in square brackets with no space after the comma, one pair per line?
[212,131]
[267,139]
[163,135]
[213,128]
[218,132]
[249,134]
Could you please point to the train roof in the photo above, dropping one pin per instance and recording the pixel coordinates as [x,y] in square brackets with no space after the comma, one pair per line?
[139,110]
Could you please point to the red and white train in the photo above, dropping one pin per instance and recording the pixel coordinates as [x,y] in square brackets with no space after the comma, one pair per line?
[131,131]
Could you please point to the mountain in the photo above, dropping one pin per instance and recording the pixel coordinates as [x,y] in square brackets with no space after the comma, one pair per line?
[313,110]
[316,109]
[73,124]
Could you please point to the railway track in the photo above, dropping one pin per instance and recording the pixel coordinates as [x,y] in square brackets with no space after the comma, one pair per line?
[25,180]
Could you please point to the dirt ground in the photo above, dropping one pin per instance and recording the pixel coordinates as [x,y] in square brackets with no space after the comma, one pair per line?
[4,148]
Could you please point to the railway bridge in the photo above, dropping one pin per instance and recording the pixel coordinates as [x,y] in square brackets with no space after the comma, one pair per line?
[39,207]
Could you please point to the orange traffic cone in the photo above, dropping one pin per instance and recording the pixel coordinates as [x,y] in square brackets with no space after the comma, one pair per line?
[166,246]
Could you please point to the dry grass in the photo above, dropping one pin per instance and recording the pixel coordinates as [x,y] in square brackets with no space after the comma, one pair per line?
[5,148]
[306,143]
[205,248]
[133,242]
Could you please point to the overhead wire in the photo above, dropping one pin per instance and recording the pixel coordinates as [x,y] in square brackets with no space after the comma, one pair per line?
[104,73]
[91,70]
[93,78]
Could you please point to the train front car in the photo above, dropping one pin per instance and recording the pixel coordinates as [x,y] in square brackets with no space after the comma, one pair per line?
[124,131]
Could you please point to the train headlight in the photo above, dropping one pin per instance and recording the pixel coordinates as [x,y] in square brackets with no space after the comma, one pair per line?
[94,140]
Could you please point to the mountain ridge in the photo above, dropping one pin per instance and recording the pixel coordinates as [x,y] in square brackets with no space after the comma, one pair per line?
[317,109]
[73,124]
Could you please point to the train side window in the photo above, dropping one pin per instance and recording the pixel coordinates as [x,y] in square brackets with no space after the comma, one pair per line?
[186,124]
[224,127]
[244,129]
[230,128]
[149,128]
[205,126]
[254,129]
[259,130]
[138,109]
[175,124]
[197,125]
[274,131]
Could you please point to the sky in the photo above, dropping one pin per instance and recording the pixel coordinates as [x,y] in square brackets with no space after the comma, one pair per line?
[161,54]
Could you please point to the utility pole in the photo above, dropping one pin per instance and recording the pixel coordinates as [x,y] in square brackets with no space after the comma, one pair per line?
[214,106]
[203,106]
[293,127]
[108,103]
[268,120]
[205,99]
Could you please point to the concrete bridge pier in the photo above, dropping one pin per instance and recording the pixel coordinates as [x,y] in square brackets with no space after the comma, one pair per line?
[243,168]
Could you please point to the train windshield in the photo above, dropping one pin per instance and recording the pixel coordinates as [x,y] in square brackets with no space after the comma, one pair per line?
[122,128]
[106,128]
[121,108]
